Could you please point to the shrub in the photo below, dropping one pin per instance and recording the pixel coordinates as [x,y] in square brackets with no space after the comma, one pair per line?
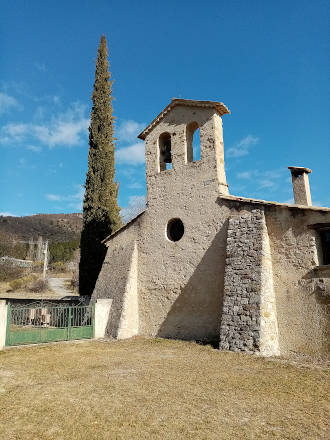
[23,283]
[38,266]
[39,286]
[9,272]
[75,280]
[58,266]
[16,284]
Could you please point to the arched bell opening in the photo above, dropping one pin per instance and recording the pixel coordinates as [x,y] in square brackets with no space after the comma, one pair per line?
[193,142]
[165,152]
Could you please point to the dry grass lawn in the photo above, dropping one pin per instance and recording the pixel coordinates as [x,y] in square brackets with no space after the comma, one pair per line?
[157,389]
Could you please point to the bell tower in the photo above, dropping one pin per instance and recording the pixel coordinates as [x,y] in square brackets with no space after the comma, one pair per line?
[169,147]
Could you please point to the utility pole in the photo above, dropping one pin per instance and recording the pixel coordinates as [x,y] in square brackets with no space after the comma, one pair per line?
[45,251]
[39,249]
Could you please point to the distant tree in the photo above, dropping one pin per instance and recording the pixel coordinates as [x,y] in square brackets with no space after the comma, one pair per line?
[101,213]
[10,246]
[62,251]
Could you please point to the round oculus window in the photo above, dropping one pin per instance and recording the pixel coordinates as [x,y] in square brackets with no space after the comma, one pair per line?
[175,229]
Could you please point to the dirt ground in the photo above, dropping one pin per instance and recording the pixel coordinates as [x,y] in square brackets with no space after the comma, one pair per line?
[158,389]
[58,287]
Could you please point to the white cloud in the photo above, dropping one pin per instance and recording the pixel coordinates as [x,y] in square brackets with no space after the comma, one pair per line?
[40,113]
[40,66]
[267,183]
[133,155]
[6,214]
[245,175]
[53,197]
[128,172]
[68,129]
[319,203]
[316,203]
[128,130]
[56,99]
[65,129]
[242,148]
[75,200]
[7,103]
[135,185]
[289,201]
[136,205]
[34,148]
[267,179]
[13,132]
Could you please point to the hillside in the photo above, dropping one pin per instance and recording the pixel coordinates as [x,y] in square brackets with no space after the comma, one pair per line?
[54,227]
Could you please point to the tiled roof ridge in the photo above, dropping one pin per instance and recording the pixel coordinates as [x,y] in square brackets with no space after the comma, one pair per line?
[219,106]
[125,226]
[270,203]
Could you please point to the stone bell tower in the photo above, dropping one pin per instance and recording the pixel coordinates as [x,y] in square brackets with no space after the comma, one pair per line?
[170,164]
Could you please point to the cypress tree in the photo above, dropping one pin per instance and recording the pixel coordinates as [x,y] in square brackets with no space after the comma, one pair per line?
[101,213]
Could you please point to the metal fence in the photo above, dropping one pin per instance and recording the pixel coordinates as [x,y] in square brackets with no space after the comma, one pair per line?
[37,323]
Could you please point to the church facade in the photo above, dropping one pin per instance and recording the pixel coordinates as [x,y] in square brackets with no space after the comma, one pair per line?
[201,264]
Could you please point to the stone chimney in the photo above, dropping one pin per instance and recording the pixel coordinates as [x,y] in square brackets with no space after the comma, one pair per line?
[300,185]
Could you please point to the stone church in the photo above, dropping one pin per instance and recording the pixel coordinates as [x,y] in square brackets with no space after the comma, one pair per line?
[201,264]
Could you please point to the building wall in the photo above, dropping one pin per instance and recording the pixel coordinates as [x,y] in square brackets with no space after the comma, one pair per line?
[302,308]
[301,293]
[118,281]
[265,297]
[249,321]
[209,170]
[180,285]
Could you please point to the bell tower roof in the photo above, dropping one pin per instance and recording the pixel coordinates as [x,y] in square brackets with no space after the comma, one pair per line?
[218,106]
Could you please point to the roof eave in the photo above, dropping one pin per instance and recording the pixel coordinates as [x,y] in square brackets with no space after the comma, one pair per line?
[219,106]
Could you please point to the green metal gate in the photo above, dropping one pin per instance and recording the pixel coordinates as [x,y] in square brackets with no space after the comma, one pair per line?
[37,323]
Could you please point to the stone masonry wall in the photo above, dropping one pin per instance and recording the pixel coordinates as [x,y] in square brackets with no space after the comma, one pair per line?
[240,324]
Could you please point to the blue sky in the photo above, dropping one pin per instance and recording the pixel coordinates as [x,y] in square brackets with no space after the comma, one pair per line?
[267,61]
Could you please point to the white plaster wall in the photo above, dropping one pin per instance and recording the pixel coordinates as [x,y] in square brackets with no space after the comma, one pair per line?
[302,313]
[129,320]
[3,323]
[181,283]
[102,313]
[269,343]
[116,274]
[176,287]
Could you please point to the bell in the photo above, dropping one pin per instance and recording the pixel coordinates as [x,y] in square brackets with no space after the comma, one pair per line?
[167,153]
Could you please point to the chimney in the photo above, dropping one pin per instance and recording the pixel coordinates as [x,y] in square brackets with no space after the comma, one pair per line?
[300,185]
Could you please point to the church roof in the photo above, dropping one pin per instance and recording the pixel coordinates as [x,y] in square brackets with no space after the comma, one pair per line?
[127,225]
[218,106]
